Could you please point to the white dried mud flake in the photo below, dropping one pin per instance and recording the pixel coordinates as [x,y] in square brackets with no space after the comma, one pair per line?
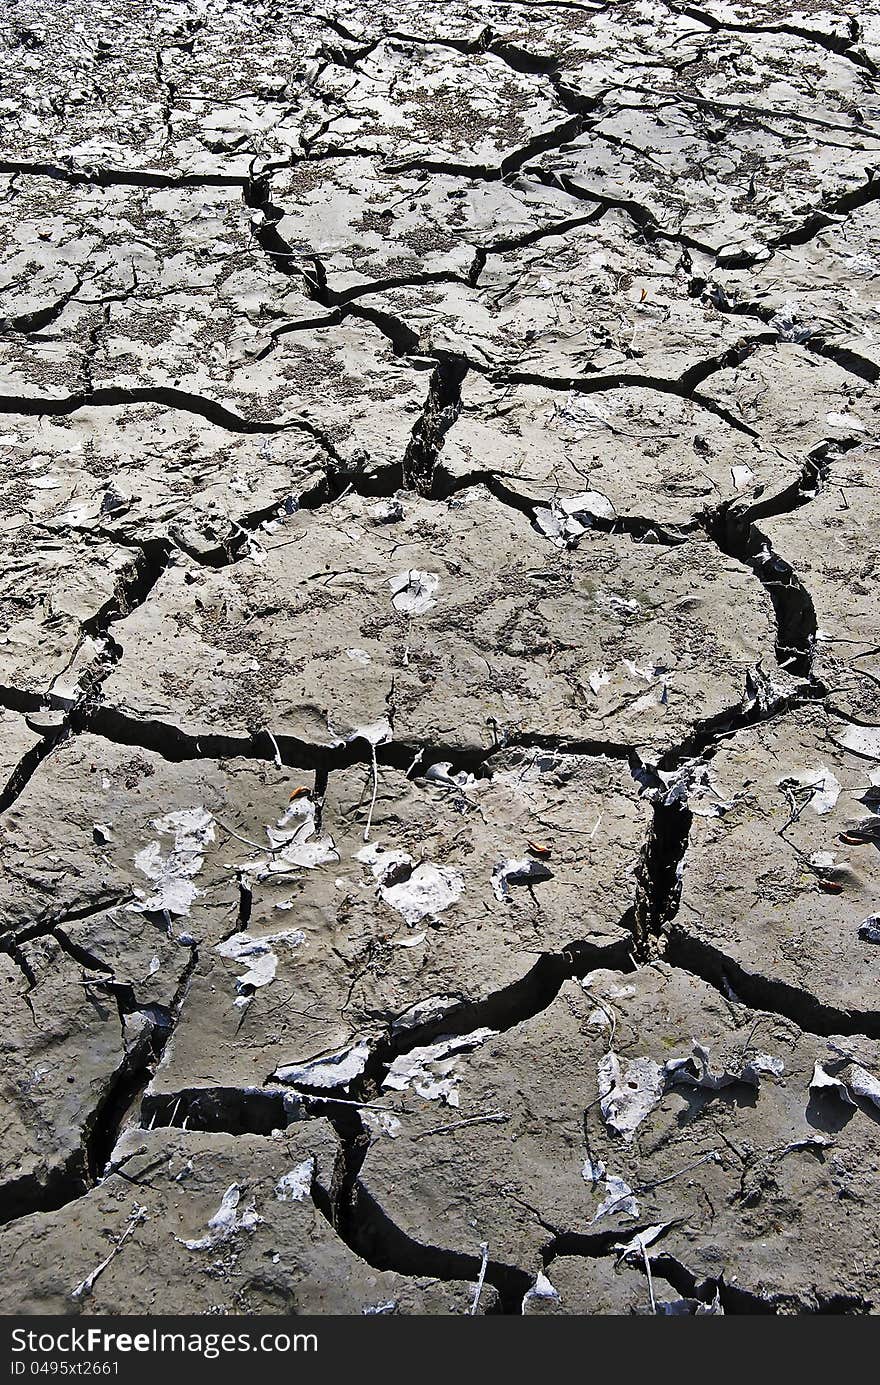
[869,929]
[428,891]
[542,1289]
[227,1221]
[173,871]
[297,1184]
[328,1072]
[850,1080]
[378,733]
[441,772]
[641,1240]
[696,1071]
[385,863]
[413,592]
[382,1124]
[259,957]
[861,740]
[291,848]
[619,1200]
[528,872]
[566,519]
[629,1089]
[822,784]
[433,1071]
[416,892]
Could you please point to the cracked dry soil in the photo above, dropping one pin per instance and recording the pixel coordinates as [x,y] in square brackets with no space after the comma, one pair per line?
[440,658]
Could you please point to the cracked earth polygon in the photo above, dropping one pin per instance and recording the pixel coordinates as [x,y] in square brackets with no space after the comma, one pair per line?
[439,658]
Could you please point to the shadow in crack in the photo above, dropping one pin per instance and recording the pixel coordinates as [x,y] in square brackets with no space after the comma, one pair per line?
[828,1113]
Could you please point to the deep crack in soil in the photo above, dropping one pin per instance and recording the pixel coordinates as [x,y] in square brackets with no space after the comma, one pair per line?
[440,796]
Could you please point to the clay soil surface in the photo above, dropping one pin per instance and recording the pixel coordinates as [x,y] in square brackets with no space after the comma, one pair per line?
[440,657]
